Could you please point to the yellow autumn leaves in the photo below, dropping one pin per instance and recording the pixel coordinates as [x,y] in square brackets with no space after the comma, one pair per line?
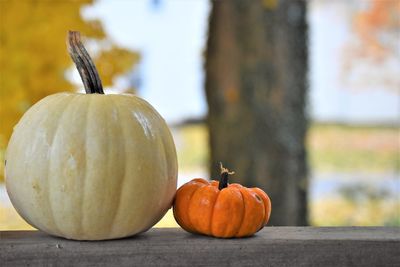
[34,59]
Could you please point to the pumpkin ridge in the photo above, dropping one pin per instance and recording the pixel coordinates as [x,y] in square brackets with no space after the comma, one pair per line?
[84,187]
[265,214]
[62,114]
[165,145]
[109,173]
[107,151]
[187,210]
[244,213]
[151,127]
[263,206]
[116,213]
[266,201]
[46,201]
[177,207]
[212,212]
[164,152]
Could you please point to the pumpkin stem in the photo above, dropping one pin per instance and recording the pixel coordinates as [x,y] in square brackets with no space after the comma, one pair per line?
[223,180]
[84,64]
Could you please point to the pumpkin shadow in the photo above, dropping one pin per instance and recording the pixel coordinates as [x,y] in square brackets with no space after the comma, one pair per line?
[207,237]
[139,236]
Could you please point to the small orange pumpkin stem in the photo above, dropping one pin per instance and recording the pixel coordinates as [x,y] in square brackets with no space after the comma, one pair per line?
[223,180]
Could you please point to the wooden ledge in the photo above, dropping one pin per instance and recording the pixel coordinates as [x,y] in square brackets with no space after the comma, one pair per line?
[273,246]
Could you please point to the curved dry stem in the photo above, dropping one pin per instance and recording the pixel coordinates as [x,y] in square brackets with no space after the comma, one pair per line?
[86,68]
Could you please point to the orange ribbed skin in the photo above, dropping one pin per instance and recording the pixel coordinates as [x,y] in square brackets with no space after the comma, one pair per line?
[234,211]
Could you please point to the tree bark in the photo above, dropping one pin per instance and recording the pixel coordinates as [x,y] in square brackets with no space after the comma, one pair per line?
[256,84]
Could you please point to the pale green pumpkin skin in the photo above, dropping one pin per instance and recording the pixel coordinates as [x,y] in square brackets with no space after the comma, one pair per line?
[91,166]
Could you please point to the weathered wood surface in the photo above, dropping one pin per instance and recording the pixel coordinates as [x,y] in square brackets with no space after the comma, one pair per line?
[273,246]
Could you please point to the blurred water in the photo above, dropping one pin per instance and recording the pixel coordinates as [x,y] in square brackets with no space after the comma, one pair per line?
[329,183]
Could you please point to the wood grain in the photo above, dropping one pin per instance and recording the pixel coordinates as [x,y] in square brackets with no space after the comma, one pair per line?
[273,246]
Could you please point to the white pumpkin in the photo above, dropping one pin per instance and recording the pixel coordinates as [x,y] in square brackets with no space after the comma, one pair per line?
[91,166]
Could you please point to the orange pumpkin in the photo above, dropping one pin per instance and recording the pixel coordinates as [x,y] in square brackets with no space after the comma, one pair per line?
[220,209]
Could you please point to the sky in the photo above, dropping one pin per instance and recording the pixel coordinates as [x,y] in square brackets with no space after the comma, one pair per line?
[171,35]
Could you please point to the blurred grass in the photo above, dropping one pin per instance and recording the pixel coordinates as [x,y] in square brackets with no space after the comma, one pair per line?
[351,148]
[10,220]
[192,147]
[167,221]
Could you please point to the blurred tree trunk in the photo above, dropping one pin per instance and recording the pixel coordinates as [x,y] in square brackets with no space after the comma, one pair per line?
[256,68]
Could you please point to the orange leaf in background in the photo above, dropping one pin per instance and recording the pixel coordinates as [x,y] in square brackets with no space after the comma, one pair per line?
[371,56]
[381,16]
